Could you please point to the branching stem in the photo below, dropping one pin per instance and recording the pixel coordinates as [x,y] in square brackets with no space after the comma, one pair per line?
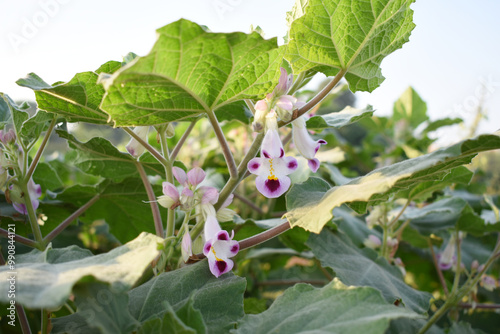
[152,200]
[38,154]
[228,155]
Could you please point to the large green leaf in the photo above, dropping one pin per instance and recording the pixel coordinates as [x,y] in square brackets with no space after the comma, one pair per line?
[190,71]
[48,283]
[220,300]
[76,100]
[350,36]
[364,268]
[339,119]
[335,308]
[316,206]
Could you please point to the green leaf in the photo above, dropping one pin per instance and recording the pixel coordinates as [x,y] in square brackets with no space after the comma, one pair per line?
[99,157]
[220,300]
[363,268]
[76,100]
[192,316]
[33,127]
[433,126]
[341,35]
[410,108]
[18,113]
[190,71]
[335,308]
[316,206]
[46,176]
[169,323]
[339,119]
[4,113]
[49,285]
[355,228]
[103,308]
[464,328]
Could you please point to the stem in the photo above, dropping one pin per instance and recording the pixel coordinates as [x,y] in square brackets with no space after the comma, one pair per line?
[23,320]
[69,220]
[152,200]
[439,313]
[250,105]
[249,203]
[395,219]
[440,273]
[38,154]
[18,238]
[231,165]
[482,306]
[170,178]
[32,216]
[45,321]
[148,147]
[233,182]
[181,141]
[297,83]
[315,100]
[458,268]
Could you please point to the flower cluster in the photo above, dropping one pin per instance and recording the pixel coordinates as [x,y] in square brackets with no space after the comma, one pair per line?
[11,158]
[273,167]
[219,246]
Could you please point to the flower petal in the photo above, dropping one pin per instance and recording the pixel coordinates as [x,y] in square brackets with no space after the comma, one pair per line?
[284,166]
[271,145]
[209,195]
[211,228]
[186,246]
[272,188]
[134,147]
[313,164]
[234,247]
[195,176]
[170,190]
[258,165]
[219,267]
[180,175]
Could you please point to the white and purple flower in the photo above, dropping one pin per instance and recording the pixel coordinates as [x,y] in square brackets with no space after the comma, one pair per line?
[19,200]
[306,146]
[134,147]
[219,247]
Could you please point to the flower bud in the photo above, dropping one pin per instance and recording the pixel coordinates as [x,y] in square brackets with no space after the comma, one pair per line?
[186,246]
[135,148]
[7,137]
[372,242]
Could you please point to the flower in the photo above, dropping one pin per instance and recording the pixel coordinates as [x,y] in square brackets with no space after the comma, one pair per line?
[18,198]
[170,198]
[186,246]
[219,247]
[272,167]
[306,146]
[7,137]
[372,242]
[447,258]
[488,282]
[134,147]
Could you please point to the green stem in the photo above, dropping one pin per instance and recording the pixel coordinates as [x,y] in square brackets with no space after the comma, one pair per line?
[152,200]
[170,178]
[45,321]
[38,154]
[297,83]
[32,216]
[148,147]
[436,265]
[55,232]
[18,238]
[317,99]
[233,182]
[228,155]
[181,141]
[395,219]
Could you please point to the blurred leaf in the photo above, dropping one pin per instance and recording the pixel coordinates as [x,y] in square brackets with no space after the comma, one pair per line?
[171,83]
[339,119]
[311,208]
[463,328]
[364,268]
[18,113]
[46,176]
[433,126]
[99,157]
[355,228]
[220,300]
[49,285]
[4,112]
[335,308]
[405,325]
[410,108]
[337,35]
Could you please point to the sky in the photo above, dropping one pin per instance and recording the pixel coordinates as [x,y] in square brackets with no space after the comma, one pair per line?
[451,60]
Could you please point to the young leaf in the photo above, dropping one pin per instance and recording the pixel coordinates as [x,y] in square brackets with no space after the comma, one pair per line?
[363,268]
[49,285]
[411,108]
[353,37]
[335,308]
[339,119]
[316,206]
[190,71]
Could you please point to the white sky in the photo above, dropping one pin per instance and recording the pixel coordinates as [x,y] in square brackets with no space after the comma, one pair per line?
[454,48]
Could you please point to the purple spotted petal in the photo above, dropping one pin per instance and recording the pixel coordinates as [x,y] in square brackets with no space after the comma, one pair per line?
[221,267]
[271,145]
[272,188]
[223,236]
[195,176]
[234,247]
[180,175]
[255,166]
[313,164]
[207,247]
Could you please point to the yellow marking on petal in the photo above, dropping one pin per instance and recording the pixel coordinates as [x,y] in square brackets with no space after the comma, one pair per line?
[271,171]
[216,258]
